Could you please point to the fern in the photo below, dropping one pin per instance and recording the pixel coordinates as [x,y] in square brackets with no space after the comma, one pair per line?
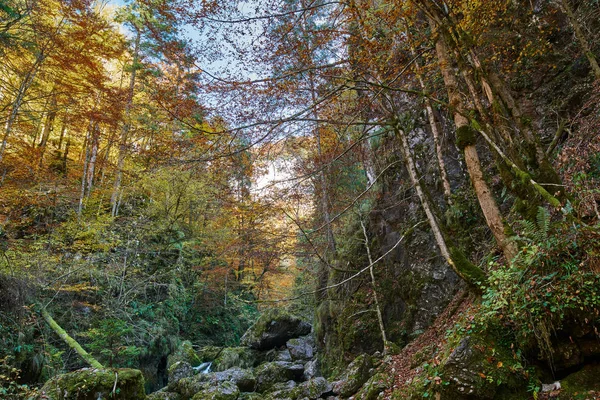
[543,222]
[537,231]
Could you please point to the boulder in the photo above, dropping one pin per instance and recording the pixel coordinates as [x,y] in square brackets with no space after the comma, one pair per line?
[250,396]
[163,395]
[220,391]
[243,378]
[240,357]
[309,390]
[268,374]
[301,348]
[185,352]
[477,368]
[278,355]
[374,386]
[584,383]
[93,384]
[311,369]
[273,329]
[188,387]
[180,370]
[357,373]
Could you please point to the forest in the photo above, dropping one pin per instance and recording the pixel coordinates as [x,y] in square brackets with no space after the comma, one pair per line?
[299,199]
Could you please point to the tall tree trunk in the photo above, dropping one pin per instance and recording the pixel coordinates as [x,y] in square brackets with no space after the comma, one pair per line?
[433,124]
[374,287]
[16,106]
[466,138]
[585,46]
[48,127]
[85,168]
[93,156]
[114,199]
[462,267]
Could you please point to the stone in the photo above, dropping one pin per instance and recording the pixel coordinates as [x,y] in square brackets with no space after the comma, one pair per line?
[93,384]
[273,329]
[271,373]
[357,373]
[311,369]
[243,378]
[374,386]
[221,391]
[314,388]
[188,387]
[163,395]
[180,370]
[241,357]
[301,348]
[584,383]
[185,352]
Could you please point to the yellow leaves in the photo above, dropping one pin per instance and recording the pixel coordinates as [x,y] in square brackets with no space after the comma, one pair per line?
[500,364]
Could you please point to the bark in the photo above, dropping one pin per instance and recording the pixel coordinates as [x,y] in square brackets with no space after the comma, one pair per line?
[16,106]
[93,157]
[114,199]
[583,42]
[72,343]
[465,135]
[85,169]
[48,126]
[435,132]
[374,285]
[466,271]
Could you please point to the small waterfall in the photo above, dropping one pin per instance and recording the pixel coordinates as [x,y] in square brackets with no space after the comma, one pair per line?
[203,368]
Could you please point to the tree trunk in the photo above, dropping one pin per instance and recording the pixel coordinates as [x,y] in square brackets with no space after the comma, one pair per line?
[72,343]
[48,127]
[114,199]
[466,137]
[93,157]
[374,286]
[471,274]
[581,38]
[16,107]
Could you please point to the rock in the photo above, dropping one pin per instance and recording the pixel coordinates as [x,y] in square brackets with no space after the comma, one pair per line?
[278,355]
[375,385]
[243,378]
[209,353]
[163,395]
[273,329]
[188,387]
[250,396]
[357,373]
[93,384]
[301,348]
[185,352]
[478,368]
[311,369]
[221,391]
[584,383]
[314,388]
[241,357]
[180,370]
[268,374]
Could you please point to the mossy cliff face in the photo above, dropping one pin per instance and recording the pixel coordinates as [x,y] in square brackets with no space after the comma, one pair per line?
[95,384]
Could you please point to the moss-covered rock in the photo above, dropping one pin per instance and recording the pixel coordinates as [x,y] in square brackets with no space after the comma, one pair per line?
[584,384]
[243,378]
[273,329]
[269,374]
[220,391]
[185,352]
[209,353]
[95,384]
[163,395]
[375,385]
[180,370]
[241,357]
[354,377]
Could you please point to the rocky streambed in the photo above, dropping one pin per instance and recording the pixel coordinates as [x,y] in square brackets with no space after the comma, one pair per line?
[276,360]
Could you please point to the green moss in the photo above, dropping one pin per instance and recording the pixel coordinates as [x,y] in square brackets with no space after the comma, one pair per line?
[577,385]
[242,357]
[186,353]
[93,384]
[465,136]
[472,274]
[374,386]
